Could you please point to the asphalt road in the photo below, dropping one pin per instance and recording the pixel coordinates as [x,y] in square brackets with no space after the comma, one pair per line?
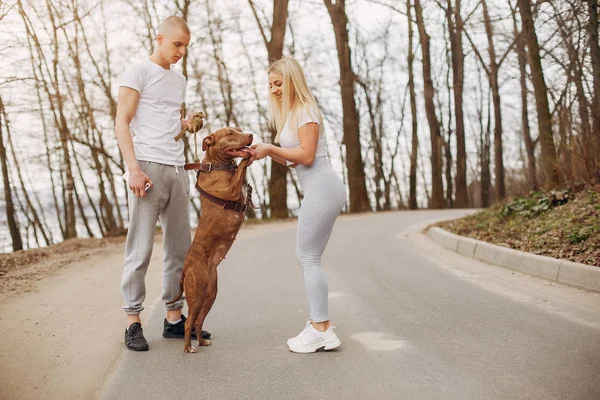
[415,321]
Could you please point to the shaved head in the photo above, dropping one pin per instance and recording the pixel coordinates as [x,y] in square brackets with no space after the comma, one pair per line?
[172,24]
[172,41]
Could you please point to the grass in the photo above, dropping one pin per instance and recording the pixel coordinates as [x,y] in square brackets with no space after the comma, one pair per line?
[559,224]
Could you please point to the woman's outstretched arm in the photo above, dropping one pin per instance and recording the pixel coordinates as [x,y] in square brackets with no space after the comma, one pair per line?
[304,155]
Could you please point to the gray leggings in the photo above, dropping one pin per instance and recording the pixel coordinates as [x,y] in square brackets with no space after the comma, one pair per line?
[324,198]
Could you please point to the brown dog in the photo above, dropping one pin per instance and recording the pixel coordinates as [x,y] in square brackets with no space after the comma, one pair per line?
[221,185]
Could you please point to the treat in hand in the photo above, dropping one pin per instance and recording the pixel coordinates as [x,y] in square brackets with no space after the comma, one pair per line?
[197,122]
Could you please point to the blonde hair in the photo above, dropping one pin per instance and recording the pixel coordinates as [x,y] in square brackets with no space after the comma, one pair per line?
[295,95]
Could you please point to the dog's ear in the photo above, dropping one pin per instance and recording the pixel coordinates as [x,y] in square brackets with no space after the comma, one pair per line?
[208,141]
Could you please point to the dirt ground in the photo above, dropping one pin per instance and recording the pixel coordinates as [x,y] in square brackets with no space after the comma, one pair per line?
[21,270]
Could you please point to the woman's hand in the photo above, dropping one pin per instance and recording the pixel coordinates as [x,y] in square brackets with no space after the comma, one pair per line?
[261,150]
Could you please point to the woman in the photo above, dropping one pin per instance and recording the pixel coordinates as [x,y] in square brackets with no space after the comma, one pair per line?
[299,124]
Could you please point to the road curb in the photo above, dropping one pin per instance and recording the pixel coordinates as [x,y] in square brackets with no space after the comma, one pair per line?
[552,269]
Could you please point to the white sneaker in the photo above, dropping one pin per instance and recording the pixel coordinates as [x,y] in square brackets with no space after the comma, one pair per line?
[301,334]
[310,340]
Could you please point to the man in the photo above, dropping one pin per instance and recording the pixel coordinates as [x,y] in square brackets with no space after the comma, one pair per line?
[149,116]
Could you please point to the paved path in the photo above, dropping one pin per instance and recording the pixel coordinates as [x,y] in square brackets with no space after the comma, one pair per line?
[416,322]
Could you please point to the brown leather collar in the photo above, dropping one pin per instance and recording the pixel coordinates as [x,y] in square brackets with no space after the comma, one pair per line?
[211,167]
[227,205]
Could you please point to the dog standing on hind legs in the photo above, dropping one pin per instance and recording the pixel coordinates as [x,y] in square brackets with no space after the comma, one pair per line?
[224,196]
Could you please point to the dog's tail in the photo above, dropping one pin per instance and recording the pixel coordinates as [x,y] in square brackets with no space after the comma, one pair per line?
[180,289]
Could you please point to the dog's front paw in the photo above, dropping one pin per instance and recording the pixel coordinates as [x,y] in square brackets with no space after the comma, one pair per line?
[204,342]
[244,163]
[189,349]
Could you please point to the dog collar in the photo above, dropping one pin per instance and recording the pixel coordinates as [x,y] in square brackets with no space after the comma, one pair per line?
[202,167]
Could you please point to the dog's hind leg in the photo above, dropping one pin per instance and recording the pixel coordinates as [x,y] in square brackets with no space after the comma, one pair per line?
[194,309]
[194,305]
[207,302]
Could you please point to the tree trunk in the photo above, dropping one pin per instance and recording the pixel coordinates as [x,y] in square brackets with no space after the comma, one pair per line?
[36,222]
[359,200]
[89,197]
[40,81]
[529,143]
[565,145]
[13,226]
[263,122]
[278,180]
[412,198]
[575,73]
[595,54]
[63,130]
[500,189]
[91,129]
[377,149]
[486,176]
[437,196]
[458,77]
[82,213]
[447,132]
[548,156]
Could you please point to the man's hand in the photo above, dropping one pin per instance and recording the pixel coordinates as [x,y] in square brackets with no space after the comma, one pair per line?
[138,181]
[194,122]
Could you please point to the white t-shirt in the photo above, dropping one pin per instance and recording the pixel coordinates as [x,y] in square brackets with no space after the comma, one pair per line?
[157,119]
[290,139]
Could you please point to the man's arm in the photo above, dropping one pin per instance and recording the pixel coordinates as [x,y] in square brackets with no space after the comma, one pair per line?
[126,107]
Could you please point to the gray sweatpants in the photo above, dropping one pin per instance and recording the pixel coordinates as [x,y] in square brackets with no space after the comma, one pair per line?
[168,202]
[324,198]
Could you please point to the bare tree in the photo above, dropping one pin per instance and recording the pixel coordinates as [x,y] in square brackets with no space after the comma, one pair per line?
[359,200]
[11,217]
[274,45]
[437,195]
[530,144]
[412,198]
[595,54]
[64,132]
[584,143]
[34,221]
[492,72]
[455,30]
[548,157]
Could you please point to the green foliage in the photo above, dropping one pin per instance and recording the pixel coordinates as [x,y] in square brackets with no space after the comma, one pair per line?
[535,205]
[539,225]
[578,237]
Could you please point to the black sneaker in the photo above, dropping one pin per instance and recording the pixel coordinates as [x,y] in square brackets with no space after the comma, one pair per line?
[134,338]
[177,331]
